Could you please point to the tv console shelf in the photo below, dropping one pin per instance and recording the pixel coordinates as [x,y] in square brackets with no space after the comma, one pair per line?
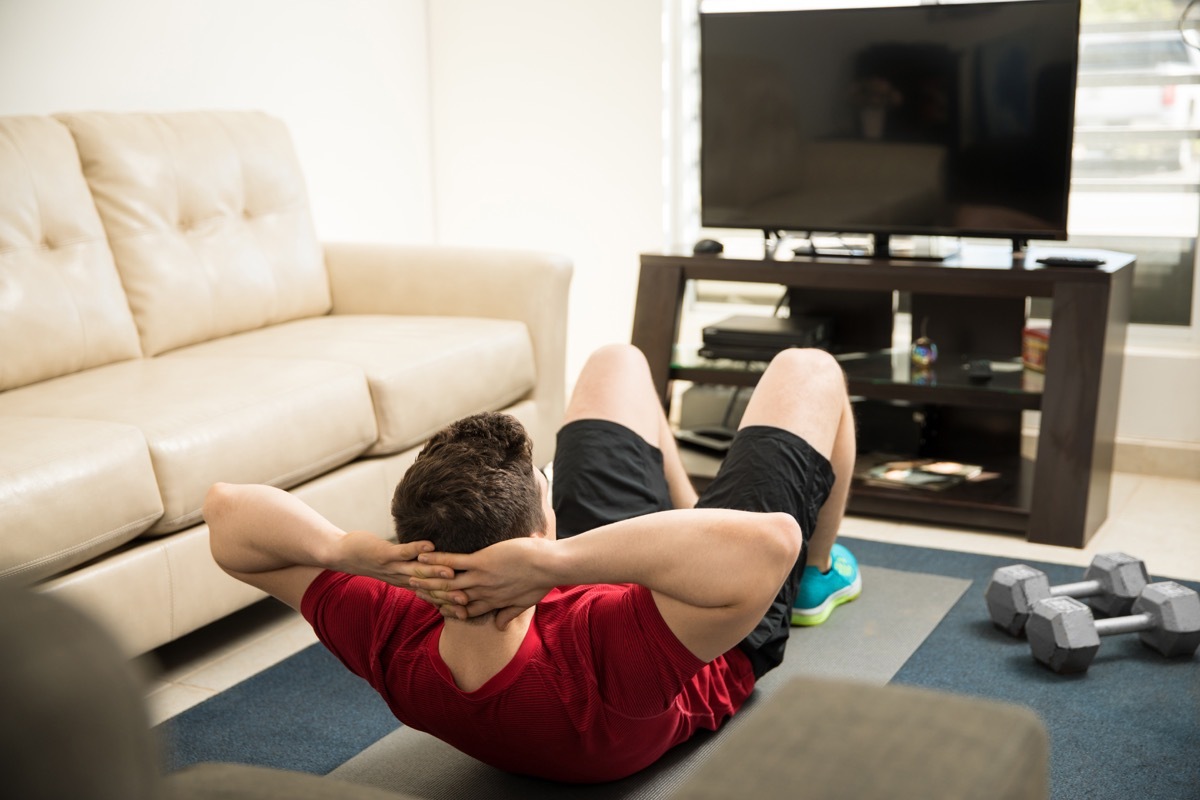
[974,307]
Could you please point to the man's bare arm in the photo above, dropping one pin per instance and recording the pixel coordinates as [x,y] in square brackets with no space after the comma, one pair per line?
[271,539]
[713,572]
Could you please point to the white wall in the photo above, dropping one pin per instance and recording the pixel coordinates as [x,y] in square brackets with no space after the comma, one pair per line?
[548,115]
[350,78]
[548,134]
[1160,394]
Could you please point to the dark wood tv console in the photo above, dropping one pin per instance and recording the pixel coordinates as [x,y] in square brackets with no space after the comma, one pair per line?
[974,307]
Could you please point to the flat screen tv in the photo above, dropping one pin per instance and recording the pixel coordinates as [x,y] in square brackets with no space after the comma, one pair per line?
[951,120]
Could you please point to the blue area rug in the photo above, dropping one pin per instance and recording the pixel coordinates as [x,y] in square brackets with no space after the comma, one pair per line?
[307,713]
[1129,727]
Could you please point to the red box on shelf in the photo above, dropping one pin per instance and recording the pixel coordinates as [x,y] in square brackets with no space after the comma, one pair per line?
[1033,347]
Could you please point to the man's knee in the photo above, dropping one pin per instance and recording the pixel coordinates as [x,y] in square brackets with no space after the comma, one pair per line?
[810,369]
[618,357]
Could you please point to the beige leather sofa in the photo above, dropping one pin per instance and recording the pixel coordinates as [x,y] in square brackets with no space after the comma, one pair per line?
[168,319]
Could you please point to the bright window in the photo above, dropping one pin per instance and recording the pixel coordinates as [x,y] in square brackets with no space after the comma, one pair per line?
[1136,175]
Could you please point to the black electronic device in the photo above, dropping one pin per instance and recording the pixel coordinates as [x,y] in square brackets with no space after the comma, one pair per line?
[739,353]
[708,247]
[923,120]
[979,370]
[709,415]
[759,338]
[1070,261]
[716,440]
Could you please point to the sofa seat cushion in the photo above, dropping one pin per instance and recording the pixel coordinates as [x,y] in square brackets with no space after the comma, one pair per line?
[72,489]
[242,420]
[424,372]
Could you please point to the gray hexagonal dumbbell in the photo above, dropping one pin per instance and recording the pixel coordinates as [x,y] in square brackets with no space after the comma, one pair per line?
[1174,619]
[1111,583]
[1064,636]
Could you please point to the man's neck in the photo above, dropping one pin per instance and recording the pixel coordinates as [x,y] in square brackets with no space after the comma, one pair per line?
[476,652]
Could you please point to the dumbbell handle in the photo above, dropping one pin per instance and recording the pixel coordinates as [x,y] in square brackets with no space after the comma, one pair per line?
[1130,624]
[1080,589]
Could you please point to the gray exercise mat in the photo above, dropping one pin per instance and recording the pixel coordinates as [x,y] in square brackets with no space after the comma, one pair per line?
[867,640]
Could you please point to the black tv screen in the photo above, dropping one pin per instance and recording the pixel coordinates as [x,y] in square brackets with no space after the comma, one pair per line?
[952,120]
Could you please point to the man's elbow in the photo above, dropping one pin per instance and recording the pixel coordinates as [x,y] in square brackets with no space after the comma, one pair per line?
[217,501]
[786,539]
[776,548]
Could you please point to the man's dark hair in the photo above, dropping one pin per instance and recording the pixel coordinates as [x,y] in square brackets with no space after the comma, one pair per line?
[472,485]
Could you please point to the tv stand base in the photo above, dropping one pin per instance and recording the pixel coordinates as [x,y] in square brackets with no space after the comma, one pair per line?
[885,246]
[920,248]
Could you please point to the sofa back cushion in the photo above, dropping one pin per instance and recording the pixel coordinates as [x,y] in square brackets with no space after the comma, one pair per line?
[61,305]
[207,216]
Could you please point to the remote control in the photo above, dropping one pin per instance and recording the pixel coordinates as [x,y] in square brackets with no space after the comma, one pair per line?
[978,370]
[1070,261]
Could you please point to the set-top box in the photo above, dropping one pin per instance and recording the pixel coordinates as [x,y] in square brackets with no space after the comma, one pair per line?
[759,338]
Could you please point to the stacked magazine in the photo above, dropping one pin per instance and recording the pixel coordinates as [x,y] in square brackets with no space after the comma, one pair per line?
[922,473]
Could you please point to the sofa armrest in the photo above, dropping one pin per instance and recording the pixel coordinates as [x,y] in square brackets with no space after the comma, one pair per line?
[433,280]
[834,739]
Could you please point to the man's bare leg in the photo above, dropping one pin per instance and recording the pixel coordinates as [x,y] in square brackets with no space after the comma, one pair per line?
[804,391]
[615,385]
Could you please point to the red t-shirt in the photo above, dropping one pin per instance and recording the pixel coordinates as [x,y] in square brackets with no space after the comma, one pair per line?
[599,689]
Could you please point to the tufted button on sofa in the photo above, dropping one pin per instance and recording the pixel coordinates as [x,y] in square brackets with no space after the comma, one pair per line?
[168,319]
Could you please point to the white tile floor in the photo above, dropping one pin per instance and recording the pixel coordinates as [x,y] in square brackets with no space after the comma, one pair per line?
[1154,518]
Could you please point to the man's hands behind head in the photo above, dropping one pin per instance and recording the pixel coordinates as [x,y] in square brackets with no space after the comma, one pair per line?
[507,577]
[364,553]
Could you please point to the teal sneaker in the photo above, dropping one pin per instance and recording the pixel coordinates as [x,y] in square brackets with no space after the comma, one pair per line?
[820,593]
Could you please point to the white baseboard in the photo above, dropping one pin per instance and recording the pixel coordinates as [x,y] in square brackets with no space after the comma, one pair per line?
[1144,456]
[1153,457]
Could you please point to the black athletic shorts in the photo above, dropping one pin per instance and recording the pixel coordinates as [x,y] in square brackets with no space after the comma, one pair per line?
[604,472]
